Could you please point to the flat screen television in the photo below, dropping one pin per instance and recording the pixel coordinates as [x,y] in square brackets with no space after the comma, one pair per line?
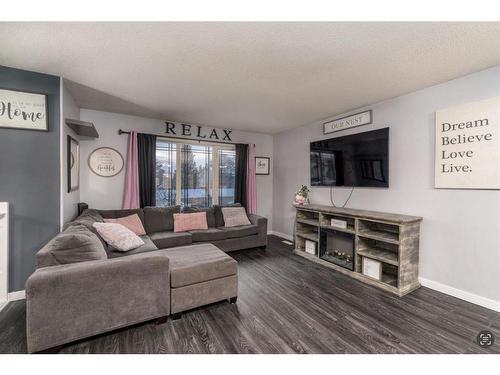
[354,160]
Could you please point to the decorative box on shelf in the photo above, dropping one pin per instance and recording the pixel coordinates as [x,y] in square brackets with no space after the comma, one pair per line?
[342,224]
[310,247]
[372,268]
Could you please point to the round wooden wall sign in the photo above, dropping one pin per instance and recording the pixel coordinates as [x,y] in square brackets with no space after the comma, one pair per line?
[105,162]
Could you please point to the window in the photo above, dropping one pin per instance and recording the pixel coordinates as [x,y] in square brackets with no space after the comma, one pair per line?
[191,174]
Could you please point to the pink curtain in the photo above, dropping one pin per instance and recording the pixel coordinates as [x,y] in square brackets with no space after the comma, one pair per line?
[251,188]
[131,194]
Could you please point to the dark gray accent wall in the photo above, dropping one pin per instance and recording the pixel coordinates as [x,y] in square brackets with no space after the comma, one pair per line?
[29,176]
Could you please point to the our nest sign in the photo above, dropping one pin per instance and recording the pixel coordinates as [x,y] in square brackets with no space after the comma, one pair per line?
[468,146]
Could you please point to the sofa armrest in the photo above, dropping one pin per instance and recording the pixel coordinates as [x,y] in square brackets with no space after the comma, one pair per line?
[69,302]
[261,222]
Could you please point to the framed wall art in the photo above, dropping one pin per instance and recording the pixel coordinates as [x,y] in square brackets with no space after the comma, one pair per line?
[262,165]
[73,164]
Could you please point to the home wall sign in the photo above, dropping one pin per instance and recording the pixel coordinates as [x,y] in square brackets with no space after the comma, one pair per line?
[23,110]
[467,148]
[197,131]
[347,122]
[106,162]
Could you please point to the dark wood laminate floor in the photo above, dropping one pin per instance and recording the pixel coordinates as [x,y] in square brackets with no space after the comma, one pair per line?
[287,304]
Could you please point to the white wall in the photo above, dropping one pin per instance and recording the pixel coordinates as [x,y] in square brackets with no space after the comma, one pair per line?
[460,242]
[68,200]
[107,193]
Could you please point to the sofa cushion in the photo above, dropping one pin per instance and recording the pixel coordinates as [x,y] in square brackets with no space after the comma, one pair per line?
[115,214]
[76,244]
[219,218]
[241,231]
[164,240]
[209,210]
[148,246]
[199,263]
[87,218]
[160,219]
[118,236]
[208,235]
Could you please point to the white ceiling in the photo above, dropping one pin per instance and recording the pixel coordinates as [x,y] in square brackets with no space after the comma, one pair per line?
[265,77]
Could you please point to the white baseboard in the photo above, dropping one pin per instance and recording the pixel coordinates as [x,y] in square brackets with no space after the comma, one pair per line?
[2,305]
[282,235]
[466,296]
[16,296]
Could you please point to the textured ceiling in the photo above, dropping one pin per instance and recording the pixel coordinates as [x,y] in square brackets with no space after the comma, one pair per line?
[265,77]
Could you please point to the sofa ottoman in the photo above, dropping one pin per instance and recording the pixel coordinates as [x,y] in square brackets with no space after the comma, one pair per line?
[200,275]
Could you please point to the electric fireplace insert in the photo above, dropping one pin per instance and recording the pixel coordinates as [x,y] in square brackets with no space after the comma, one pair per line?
[337,247]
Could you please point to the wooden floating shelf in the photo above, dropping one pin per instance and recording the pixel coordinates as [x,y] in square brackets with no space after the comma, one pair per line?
[82,128]
[380,255]
[391,239]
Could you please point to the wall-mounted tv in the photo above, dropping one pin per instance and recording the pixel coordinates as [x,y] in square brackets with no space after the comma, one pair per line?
[354,160]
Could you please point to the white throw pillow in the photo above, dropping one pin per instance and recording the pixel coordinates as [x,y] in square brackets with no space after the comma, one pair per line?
[235,216]
[116,235]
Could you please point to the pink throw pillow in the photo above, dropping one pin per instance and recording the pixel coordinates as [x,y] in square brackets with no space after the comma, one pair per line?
[131,222]
[116,235]
[185,222]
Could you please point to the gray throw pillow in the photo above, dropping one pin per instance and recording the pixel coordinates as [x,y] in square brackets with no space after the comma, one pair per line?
[235,216]
[219,218]
[76,244]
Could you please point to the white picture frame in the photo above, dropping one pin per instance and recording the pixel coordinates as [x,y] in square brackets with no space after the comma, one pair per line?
[23,110]
[262,165]
[105,162]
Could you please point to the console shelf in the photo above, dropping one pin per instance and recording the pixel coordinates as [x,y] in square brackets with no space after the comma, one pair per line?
[390,239]
[380,255]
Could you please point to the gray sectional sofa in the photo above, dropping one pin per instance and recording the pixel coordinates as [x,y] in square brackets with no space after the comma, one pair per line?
[82,287]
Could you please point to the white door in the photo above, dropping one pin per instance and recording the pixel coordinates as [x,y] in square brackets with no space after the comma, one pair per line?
[4,251]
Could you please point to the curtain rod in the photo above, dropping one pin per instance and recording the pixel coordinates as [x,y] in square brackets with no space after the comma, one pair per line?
[120,132]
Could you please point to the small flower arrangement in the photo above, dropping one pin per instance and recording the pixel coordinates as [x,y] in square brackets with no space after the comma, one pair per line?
[302,195]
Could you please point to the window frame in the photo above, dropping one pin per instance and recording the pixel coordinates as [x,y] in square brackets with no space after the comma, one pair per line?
[216,147]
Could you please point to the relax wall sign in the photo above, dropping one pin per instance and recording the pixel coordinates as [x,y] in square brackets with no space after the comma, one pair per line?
[197,131]
[468,146]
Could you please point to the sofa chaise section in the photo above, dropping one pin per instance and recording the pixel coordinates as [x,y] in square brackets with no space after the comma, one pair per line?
[69,302]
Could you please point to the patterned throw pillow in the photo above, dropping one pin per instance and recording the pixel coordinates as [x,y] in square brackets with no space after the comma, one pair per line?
[131,222]
[235,216]
[116,235]
[185,222]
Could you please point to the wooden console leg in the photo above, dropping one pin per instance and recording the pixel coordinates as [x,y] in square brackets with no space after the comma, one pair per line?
[161,320]
[233,299]
[176,316]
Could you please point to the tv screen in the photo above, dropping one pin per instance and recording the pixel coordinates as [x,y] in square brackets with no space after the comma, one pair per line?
[354,160]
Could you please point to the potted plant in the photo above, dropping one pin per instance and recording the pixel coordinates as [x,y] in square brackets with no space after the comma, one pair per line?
[302,195]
